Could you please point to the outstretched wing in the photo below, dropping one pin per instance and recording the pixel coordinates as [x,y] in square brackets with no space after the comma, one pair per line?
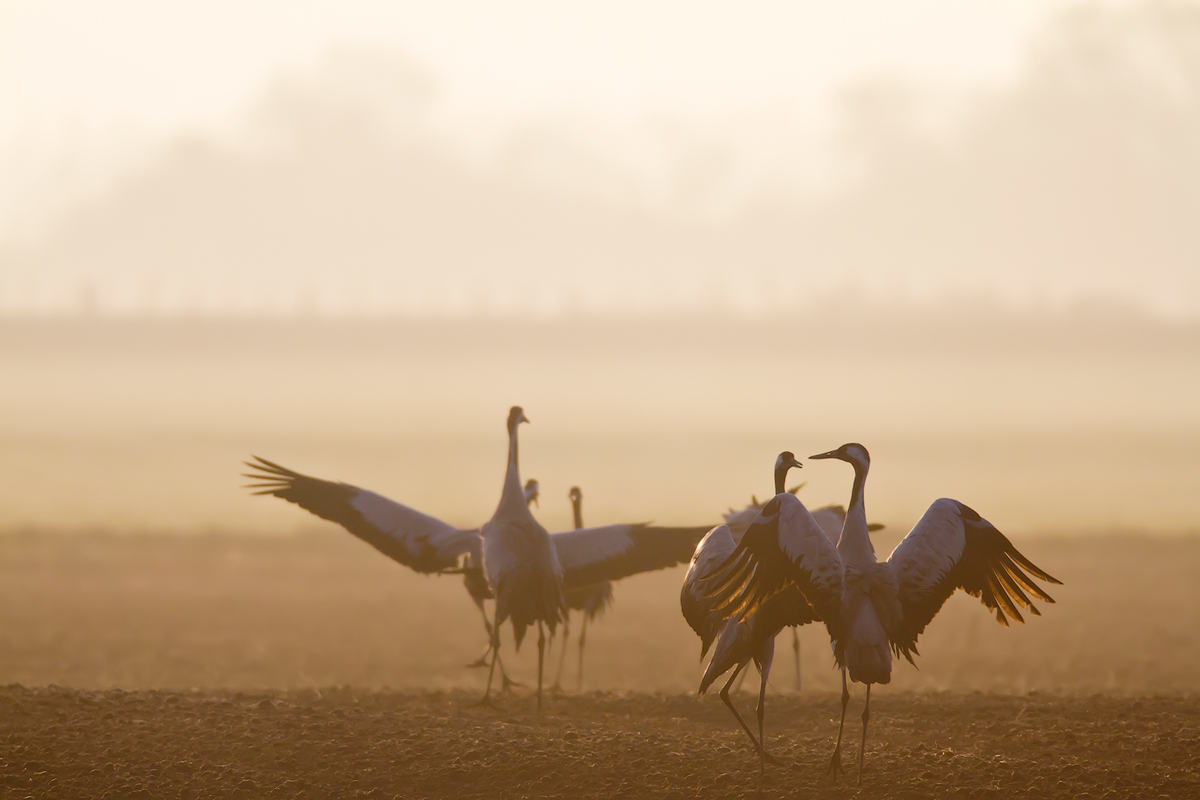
[612,552]
[952,547]
[697,608]
[416,540]
[785,546]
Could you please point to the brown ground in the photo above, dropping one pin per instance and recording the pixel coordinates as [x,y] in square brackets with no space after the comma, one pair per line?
[1096,698]
[346,743]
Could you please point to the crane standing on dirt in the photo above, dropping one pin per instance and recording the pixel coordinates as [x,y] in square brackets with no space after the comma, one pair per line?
[875,608]
[428,545]
[592,599]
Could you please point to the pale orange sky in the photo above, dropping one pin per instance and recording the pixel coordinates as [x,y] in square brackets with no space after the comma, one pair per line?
[91,89]
[541,158]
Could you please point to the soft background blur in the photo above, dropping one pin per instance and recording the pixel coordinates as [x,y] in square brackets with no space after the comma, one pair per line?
[684,236]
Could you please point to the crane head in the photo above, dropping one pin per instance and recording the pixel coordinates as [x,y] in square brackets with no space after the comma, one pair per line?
[531,491]
[783,463]
[852,453]
[787,460]
[516,415]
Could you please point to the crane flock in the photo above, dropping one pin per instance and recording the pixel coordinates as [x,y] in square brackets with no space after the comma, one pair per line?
[767,567]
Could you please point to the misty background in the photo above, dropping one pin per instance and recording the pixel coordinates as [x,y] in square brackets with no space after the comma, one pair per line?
[710,239]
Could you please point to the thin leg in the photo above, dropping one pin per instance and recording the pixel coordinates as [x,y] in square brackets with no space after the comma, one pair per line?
[741,680]
[495,657]
[762,701]
[862,751]
[506,683]
[796,651]
[835,763]
[541,659]
[582,639]
[483,660]
[729,704]
[566,635]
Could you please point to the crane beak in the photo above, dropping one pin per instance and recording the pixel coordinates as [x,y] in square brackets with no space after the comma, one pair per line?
[830,454]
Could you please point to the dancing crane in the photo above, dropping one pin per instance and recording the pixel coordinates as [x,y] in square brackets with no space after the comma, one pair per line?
[752,637]
[830,518]
[431,546]
[880,608]
[520,563]
[419,541]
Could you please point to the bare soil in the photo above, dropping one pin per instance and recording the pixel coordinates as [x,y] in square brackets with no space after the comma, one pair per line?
[310,666]
[345,743]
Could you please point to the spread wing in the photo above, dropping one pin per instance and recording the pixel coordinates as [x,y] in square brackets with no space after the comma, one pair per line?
[698,609]
[416,540]
[783,547]
[952,547]
[612,552]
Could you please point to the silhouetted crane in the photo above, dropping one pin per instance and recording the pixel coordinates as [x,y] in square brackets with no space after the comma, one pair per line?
[752,637]
[877,609]
[591,599]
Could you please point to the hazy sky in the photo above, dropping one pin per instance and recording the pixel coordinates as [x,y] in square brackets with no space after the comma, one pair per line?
[88,87]
[1018,149]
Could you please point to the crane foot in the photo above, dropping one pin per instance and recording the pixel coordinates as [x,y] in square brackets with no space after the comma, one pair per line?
[835,765]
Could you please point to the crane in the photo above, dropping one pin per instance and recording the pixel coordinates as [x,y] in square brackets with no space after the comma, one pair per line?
[751,637]
[877,609]
[591,599]
[430,546]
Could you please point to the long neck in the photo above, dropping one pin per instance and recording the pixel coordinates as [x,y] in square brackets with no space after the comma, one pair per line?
[513,495]
[781,472]
[577,506]
[855,542]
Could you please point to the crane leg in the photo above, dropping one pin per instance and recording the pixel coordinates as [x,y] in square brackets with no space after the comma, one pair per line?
[487,693]
[506,683]
[738,688]
[729,704]
[582,639]
[762,707]
[862,751]
[541,659]
[796,651]
[483,660]
[835,763]
[563,657]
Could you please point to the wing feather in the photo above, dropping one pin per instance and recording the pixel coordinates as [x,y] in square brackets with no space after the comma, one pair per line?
[952,548]
[783,547]
[416,540]
[698,609]
[612,552]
